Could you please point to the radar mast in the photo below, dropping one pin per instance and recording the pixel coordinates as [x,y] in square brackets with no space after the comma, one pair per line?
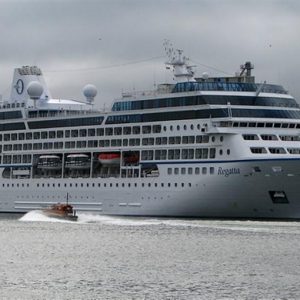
[181,69]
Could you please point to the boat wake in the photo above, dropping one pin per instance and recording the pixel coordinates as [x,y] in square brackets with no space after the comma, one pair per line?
[39,216]
[230,225]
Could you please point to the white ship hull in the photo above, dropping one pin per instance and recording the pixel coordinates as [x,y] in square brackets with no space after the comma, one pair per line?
[242,194]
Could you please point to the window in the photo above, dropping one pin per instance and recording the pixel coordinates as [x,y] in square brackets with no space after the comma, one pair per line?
[52,134]
[250,137]
[60,134]
[204,170]
[100,131]
[274,150]
[28,135]
[118,131]
[269,137]
[258,150]
[109,131]
[36,135]
[82,132]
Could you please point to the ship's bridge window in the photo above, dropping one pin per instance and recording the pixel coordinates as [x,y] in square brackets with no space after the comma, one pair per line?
[258,150]
[250,137]
[278,150]
[269,137]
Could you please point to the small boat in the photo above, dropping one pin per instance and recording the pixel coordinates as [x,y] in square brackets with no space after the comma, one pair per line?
[63,211]
[109,158]
[78,161]
[49,162]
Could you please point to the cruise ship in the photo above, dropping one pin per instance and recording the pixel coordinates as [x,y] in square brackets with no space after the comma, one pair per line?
[211,147]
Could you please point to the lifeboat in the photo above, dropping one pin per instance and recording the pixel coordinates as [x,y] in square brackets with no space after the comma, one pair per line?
[77,161]
[49,162]
[109,158]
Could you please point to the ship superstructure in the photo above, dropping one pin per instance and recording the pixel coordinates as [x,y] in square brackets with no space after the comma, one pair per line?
[201,147]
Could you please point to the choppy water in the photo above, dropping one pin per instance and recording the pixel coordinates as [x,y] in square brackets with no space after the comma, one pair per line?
[134,258]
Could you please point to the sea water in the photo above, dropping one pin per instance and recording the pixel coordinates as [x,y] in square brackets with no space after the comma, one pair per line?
[102,257]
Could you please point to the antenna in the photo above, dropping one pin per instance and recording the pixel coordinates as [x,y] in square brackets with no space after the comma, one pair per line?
[182,70]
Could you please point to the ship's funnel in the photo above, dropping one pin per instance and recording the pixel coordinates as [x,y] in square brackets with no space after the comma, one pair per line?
[22,78]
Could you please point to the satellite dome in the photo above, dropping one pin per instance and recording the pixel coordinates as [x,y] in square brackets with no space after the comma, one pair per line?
[205,75]
[35,90]
[90,92]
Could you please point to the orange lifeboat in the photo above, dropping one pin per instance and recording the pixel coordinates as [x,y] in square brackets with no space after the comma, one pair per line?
[109,158]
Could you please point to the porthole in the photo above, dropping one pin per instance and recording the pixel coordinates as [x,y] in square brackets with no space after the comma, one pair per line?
[221,152]
[171,128]
[165,128]
[178,127]
[198,126]
[213,139]
[228,151]
[184,127]
[221,138]
[192,127]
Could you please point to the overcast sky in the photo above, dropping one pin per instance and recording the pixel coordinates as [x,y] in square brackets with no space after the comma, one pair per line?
[107,39]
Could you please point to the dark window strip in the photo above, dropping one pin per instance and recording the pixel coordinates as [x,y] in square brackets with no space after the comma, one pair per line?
[12,126]
[66,123]
[6,115]
[202,100]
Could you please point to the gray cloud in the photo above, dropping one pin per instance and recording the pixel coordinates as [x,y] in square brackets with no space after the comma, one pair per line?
[64,35]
